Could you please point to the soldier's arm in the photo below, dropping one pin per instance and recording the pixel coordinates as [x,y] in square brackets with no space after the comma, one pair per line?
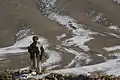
[42,49]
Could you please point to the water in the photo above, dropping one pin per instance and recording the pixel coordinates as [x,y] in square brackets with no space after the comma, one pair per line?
[83,45]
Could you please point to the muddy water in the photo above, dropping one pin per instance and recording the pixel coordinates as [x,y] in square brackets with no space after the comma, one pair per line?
[15,13]
[15,61]
[78,9]
[18,12]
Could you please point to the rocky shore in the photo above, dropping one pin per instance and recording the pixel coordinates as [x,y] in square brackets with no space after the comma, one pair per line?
[11,75]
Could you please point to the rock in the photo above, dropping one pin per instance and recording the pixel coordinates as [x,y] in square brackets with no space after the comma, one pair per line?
[51,76]
[25,72]
[18,75]
[6,75]
[34,73]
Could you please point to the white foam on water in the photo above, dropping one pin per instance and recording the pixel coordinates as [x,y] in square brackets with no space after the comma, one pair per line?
[23,43]
[23,33]
[2,59]
[98,17]
[115,54]
[52,67]
[61,19]
[112,34]
[80,36]
[73,71]
[60,37]
[108,49]
[12,50]
[54,57]
[80,58]
[51,2]
[109,67]
[100,55]
[118,1]
[114,27]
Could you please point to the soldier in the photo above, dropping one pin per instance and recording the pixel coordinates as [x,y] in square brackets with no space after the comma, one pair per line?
[36,51]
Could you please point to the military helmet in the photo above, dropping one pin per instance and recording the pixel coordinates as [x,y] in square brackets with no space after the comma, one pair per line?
[35,38]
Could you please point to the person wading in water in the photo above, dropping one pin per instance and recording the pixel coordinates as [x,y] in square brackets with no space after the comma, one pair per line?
[36,51]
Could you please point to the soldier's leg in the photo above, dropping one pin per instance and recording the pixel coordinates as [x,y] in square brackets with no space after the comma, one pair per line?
[31,63]
[35,58]
[39,65]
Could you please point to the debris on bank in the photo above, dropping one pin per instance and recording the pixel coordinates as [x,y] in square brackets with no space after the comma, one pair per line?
[22,75]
